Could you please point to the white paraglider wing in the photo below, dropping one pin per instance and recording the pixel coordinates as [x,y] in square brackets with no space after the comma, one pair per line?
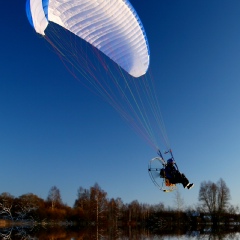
[112,26]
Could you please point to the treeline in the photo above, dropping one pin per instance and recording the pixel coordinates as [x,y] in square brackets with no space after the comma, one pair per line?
[92,207]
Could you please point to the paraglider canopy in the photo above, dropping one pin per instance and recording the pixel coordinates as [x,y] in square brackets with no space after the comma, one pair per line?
[113,27]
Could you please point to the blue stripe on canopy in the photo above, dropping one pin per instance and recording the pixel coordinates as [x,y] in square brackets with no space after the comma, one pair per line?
[45,7]
[139,22]
[28,12]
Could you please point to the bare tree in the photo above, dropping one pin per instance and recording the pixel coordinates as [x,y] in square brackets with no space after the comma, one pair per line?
[135,211]
[98,203]
[223,196]
[214,197]
[54,197]
[82,203]
[119,206]
[6,204]
[233,209]
[207,196]
[179,201]
[83,197]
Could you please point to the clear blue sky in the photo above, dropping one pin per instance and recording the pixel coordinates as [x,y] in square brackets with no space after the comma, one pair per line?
[55,132]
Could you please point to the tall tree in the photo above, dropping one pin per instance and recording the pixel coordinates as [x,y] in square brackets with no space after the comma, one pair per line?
[54,197]
[179,201]
[134,211]
[83,197]
[98,203]
[223,196]
[145,211]
[214,197]
[115,211]
[82,203]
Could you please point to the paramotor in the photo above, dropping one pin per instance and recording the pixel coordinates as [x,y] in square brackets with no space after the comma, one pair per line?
[156,170]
